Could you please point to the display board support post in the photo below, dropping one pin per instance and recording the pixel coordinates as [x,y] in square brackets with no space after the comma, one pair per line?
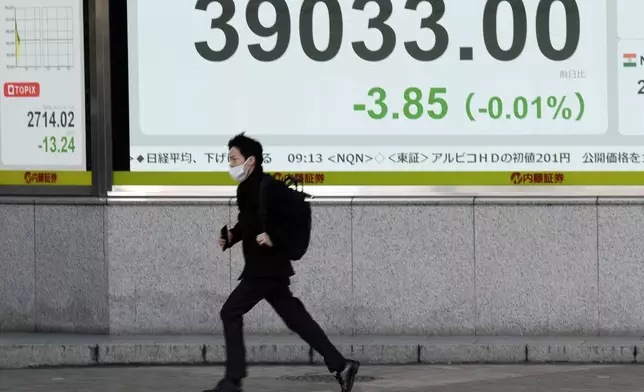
[100,91]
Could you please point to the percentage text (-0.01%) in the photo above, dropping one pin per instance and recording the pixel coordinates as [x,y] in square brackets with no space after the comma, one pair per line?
[552,107]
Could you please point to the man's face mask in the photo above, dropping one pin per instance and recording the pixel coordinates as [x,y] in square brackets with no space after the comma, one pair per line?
[239,173]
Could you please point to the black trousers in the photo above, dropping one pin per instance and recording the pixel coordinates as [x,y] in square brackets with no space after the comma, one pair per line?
[249,293]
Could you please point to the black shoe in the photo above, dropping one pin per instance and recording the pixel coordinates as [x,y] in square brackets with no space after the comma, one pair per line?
[225,386]
[348,375]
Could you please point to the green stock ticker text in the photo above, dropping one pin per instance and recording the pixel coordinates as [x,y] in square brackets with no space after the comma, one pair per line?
[58,144]
[433,103]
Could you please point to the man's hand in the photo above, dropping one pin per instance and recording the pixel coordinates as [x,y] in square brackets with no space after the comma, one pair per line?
[264,240]
[222,241]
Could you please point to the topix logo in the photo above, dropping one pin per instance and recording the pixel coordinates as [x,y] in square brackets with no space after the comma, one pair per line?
[22,89]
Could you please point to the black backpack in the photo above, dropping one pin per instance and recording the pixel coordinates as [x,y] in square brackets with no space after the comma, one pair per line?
[298,219]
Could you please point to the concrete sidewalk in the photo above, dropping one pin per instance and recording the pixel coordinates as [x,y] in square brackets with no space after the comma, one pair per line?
[376,378]
[44,350]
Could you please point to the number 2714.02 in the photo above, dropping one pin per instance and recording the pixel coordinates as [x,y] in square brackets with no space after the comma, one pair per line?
[50,119]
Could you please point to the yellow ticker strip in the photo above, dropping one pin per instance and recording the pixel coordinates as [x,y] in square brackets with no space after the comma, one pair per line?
[395,178]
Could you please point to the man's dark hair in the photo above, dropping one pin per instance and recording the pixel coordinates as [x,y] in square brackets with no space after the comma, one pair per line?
[248,147]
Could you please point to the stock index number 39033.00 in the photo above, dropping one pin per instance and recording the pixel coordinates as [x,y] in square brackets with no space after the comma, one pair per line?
[281,29]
